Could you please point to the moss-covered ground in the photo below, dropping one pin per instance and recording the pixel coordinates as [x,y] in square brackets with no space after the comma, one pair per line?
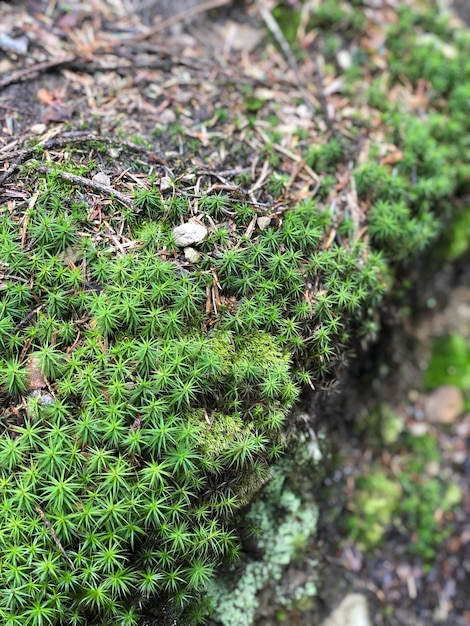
[147,383]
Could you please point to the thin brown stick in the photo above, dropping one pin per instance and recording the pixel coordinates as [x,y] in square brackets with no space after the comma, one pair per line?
[79,136]
[28,317]
[65,140]
[86,182]
[201,8]
[54,536]
[278,35]
[11,170]
[34,70]
[11,277]
[24,154]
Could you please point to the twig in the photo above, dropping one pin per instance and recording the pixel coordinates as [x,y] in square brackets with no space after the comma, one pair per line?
[278,35]
[86,182]
[75,61]
[261,179]
[13,167]
[34,70]
[27,317]
[322,98]
[79,136]
[11,277]
[65,140]
[54,537]
[234,172]
[201,8]
[23,155]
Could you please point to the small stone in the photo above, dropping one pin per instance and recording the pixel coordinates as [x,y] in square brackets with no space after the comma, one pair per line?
[351,612]
[192,255]
[263,222]
[43,397]
[344,59]
[433,468]
[188,233]
[102,179]
[38,129]
[165,183]
[18,45]
[167,116]
[418,429]
[444,405]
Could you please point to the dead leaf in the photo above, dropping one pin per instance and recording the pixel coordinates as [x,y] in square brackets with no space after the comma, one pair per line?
[56,112]
[45,96]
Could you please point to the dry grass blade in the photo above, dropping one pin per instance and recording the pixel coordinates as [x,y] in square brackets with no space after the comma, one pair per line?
[54,537]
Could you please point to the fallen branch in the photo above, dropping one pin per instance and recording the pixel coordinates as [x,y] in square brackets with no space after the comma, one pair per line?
[79,136]
[28,317]
[278,35]
[92,184]
[65,140]
[34,70]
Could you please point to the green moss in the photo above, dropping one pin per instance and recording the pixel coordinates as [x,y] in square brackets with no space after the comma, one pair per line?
[166,386]
[152,433]
[406,502]
[323,158]
[288,20]
[329,14]
[157,418]
[381,426]
[421,499]
[376,502]
[457,241]
[449,363]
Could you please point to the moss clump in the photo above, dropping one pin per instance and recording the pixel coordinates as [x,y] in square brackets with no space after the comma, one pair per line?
[411,202]
[376,502]
[449,363]
[144,396]
[407,502]
[457,242]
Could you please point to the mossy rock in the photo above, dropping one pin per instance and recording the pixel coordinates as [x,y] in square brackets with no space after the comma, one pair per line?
[145,396]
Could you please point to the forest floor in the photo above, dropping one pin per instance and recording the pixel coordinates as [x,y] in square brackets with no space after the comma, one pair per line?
[417,572]
[218,98]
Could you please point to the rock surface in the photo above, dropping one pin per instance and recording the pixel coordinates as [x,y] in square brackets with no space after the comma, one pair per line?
[189,233]
[263,222]
[352,611]
[444,405]
[192,255]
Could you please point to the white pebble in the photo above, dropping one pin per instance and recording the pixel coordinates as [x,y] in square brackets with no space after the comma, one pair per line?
[189,233]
